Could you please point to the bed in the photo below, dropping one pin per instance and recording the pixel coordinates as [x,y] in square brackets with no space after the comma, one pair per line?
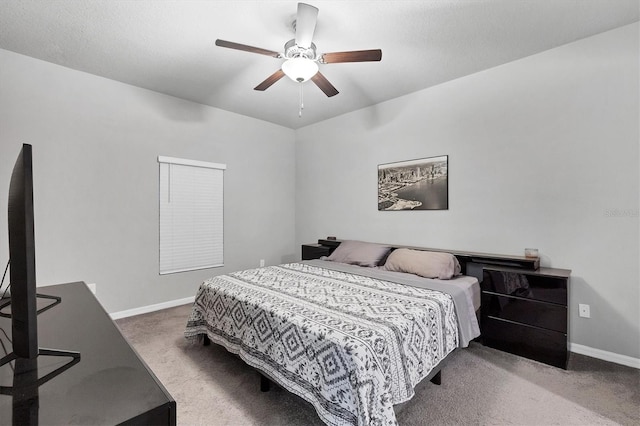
[352,340]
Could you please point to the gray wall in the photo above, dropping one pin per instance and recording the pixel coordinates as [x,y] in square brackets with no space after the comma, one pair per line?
[541,152]
[96,143]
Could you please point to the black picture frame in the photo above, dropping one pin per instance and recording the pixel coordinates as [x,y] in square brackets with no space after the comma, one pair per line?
[421,184]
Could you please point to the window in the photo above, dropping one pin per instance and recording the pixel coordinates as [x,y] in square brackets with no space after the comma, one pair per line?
[191,215]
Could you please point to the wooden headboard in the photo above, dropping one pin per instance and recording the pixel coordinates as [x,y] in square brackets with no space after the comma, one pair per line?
[470,262]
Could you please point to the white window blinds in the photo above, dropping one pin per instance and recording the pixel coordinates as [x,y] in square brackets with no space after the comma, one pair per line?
[191,215]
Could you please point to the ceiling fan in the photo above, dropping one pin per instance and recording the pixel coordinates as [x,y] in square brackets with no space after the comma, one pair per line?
[301,57]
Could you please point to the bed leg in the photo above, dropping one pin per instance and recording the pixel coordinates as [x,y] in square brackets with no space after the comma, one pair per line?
[205,340]
[265,383]
[437,379]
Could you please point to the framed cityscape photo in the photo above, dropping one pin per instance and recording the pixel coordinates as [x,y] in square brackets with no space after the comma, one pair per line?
[421,184]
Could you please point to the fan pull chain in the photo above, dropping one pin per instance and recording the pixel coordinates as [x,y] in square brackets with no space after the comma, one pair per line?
[301,102]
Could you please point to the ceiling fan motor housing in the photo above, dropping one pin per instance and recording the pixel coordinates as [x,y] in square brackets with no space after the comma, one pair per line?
[292,50]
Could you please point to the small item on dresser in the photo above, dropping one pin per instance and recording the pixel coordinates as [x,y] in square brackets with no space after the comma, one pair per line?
[531,252]
[331,238]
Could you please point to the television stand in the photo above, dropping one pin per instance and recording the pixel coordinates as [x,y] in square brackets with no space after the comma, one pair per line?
[110,384]
[6,301]
[41,351]
[6,390]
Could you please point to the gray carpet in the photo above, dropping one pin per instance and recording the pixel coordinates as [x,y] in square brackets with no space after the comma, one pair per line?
[480,386]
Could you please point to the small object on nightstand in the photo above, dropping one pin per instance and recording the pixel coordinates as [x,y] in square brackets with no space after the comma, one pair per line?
[331,238]
[531,253]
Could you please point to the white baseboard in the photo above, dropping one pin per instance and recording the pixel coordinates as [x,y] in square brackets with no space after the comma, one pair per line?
[605,355]
[152,308]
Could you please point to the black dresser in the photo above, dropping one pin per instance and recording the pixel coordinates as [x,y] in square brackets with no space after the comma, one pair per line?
[525,312]
[108,385]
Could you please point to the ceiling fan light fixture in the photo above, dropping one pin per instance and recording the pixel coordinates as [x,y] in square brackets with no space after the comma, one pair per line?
[300,69]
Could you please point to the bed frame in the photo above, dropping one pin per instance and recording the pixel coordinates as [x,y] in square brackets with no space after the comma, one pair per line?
[469,261]
[434,376]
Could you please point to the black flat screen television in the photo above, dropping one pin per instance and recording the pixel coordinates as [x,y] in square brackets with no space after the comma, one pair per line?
[23,300]
[24,320]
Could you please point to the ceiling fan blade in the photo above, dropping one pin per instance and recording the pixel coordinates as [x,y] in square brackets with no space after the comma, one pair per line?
[246,48]
[324,85]
[270,80]
[353,56]
[305,24]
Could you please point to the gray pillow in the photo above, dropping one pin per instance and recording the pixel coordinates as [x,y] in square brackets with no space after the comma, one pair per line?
[428,264]
[359,253]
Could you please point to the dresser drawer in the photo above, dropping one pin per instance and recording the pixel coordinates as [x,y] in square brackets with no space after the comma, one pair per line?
[537,314]
[535,343]
[528,286]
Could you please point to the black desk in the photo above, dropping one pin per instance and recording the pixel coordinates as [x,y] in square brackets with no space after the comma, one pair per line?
[109,385]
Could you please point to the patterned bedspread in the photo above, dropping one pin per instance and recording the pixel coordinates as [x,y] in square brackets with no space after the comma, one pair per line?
[351,345]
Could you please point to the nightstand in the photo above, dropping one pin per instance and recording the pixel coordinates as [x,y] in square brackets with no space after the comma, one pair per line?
[315,251]
[525,312]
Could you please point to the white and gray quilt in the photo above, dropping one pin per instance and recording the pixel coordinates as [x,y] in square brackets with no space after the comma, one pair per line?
[352,345]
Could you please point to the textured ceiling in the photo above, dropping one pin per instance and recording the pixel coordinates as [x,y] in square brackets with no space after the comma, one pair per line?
[168,46]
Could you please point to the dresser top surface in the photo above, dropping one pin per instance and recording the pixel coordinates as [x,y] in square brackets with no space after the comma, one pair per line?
[110,384]
[547,272]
